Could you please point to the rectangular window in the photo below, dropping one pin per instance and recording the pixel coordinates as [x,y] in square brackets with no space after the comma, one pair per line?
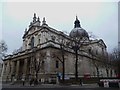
[42,65]
[39,41]
[39,38]
[89,50]
[32,42]
[57,64]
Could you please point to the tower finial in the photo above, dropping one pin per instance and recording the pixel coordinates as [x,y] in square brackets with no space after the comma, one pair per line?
[25,30]
[44,22]
[77,22]
[38,19]
[34,18]
[76,17]
[34,14]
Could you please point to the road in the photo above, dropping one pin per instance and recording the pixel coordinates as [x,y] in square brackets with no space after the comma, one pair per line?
[60,89]
[55,87]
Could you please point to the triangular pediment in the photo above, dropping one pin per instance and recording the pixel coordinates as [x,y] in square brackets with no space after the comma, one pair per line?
[101,42]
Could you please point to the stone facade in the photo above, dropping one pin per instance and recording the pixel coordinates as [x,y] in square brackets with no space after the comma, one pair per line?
[40,55]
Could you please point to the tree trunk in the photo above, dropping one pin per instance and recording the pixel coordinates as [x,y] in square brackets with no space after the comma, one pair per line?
[76,65]
[63,64]
[111,73]
[36,79]
[97,72]
[63,71]
[107,72]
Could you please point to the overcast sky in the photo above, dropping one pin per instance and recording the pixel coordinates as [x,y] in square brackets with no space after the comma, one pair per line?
[100,18]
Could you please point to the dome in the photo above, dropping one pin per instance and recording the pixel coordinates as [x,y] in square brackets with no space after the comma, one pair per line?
[78,31]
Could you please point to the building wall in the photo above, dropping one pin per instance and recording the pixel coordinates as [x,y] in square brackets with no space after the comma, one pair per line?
[85,65]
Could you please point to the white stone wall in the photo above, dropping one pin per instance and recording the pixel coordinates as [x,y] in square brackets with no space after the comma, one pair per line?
[85,65]
[70,64]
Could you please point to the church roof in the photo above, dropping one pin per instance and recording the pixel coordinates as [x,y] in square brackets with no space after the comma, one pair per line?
[78,31]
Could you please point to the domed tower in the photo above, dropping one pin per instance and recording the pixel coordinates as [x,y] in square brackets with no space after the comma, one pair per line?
[35,22]
[78,31]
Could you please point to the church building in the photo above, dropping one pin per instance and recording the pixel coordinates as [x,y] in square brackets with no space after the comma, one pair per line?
[46,52]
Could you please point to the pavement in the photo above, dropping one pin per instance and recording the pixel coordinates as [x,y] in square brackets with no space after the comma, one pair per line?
[54,87]
[94,86]
[50,86]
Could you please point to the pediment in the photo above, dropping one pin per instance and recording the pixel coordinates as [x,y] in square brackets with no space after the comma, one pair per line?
[101,42]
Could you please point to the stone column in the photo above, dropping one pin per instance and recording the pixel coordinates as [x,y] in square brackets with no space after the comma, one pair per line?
[47,65]
[25,67]
[12,68]
[17,68]
[4,68]
[7,71]
[12,73]
[31,67]
[4,72]
[7,68]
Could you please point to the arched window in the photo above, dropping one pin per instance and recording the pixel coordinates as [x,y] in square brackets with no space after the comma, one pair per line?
[32,42]
[89,50]
[103,51]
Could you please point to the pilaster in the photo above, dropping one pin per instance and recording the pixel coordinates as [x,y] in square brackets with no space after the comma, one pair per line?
[13,68]
[25,67]
[17,68]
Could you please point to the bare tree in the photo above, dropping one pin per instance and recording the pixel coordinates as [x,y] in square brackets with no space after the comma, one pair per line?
[111,63]
[95,62]
[116,60]
[100,59]
[92,36]
[37,63]
[61,56]
[106,63]
[105,60]
[3,49]
[77,43]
